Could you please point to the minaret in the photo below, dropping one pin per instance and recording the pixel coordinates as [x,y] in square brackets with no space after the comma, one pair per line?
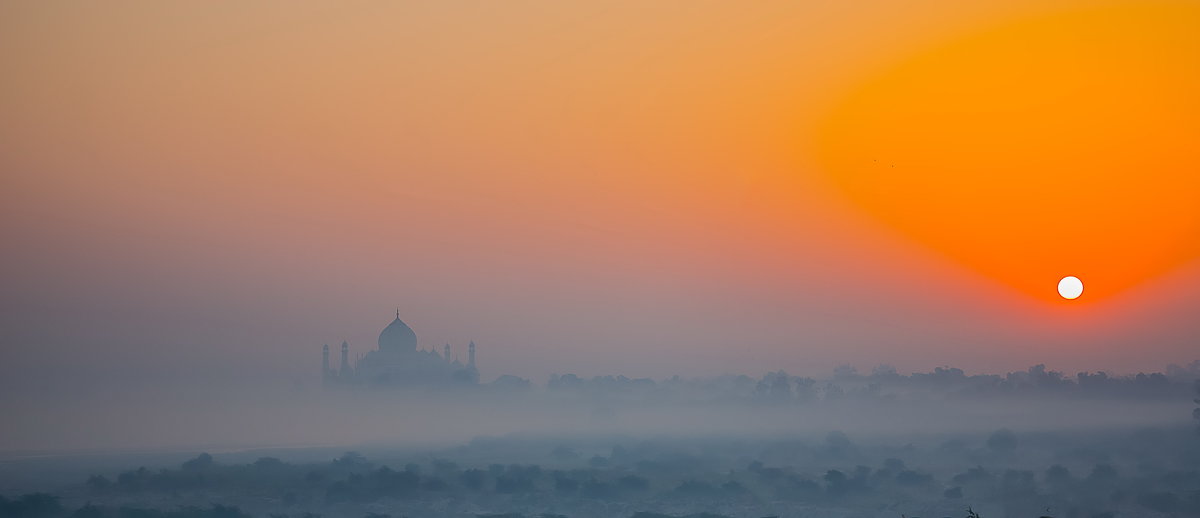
[447,352]
[471,355]
[325,362]
[345,371]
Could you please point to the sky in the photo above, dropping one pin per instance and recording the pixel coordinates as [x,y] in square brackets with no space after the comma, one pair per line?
[211,191]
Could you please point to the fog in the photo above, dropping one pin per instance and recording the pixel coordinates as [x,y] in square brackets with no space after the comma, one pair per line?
[847,444]
[224,417]
[640,213]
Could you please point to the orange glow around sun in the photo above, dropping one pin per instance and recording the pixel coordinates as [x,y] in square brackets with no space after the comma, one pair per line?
[1062,144]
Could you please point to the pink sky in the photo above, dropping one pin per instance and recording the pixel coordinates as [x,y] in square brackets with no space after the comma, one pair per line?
[220,189]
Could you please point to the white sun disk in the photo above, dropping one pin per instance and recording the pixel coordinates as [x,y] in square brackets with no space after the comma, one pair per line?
[1070,287]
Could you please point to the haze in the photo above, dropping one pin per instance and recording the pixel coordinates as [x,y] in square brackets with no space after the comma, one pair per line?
[643,216]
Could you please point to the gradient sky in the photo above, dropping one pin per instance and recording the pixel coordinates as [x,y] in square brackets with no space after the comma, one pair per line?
[213,190]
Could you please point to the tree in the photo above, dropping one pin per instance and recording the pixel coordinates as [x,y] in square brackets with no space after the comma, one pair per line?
[32,505]
[1058,478]
[89,510]
[1196,411]
[350,459]
[633,483]
[836,482]
[98,483]
[201,461]
[839,443]
[774,386]
[473,479]
[885,372]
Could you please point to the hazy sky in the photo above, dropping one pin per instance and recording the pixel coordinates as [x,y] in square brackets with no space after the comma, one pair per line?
[213,190]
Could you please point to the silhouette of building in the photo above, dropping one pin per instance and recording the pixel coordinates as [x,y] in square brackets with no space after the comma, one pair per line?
[398,362]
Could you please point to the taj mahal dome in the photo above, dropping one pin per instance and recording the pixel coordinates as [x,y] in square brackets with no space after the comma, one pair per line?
[398,362]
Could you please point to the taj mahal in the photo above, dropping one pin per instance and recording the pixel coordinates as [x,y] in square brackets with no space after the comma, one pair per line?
[398,362]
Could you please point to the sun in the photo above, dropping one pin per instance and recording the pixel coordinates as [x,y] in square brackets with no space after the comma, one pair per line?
[967,146]
[1070,287]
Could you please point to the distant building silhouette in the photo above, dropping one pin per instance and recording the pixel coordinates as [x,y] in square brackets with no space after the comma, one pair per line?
[325,362]
[398,362]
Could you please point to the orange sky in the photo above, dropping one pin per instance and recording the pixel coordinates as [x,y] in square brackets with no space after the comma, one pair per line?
[1061,143]
[636,187]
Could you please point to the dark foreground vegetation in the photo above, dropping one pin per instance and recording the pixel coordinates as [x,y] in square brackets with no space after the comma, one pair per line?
[1141,464]
[1147,472]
